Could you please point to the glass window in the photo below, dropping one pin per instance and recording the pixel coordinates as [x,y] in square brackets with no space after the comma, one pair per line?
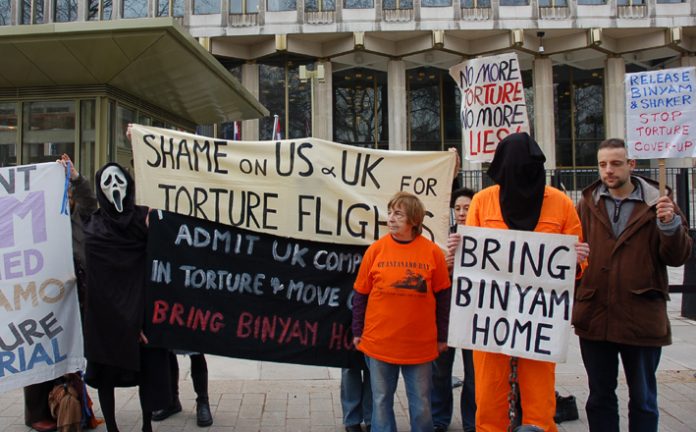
[553,3]
[579,113]
[281,5]
[320,5]
[272,96]
[32,11]
[8,134]
[671,1]
[592,2]
[206,7]
[134,8]
[630,2]
[65,10]
[87,160]
[244,6]
[5,12]
[472,4]
[434,106]
[124,116]
[48,131]
[176,6]
[397,4]
[360,108]
[99,10]
[436,3]
[514,2]
[283,94]
[358,4]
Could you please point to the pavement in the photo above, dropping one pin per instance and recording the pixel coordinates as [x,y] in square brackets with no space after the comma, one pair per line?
[248,396]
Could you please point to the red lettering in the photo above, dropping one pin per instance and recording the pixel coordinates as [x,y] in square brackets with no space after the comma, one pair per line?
[177,310]
[340,338]
[244,325]
[160,313]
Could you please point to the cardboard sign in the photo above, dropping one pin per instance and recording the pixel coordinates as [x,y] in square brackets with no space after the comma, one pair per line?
[512,292]
[227,291]
[40,332]
[305,189]
[660,113]
[493,104]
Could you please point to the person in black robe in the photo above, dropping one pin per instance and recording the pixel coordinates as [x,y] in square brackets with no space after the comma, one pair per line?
[115,347]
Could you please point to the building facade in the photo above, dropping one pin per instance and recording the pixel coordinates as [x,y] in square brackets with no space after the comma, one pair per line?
[374,73]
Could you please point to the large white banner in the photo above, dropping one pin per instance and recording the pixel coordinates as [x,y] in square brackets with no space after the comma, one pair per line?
[307,188]
[661,113]
[493,104]
[512,293]
[40,331]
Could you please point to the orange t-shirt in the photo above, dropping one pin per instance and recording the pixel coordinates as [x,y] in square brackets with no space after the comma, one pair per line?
[400,281]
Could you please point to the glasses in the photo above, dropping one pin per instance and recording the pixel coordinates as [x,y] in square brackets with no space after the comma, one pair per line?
[397,214]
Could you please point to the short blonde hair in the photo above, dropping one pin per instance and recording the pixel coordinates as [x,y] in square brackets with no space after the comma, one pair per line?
[412,207]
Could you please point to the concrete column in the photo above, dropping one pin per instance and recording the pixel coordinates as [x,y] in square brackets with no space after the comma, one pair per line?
[323,103]
[544,121]
[250,80]
[614,98]
[396,79]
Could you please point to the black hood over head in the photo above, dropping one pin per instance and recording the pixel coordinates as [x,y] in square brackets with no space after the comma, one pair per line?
[518,168]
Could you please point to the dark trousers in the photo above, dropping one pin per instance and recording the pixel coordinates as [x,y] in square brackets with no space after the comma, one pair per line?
[441,396]
[199,376]
[601,361]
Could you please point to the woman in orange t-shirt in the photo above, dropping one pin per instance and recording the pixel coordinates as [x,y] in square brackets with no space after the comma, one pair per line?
[401,313]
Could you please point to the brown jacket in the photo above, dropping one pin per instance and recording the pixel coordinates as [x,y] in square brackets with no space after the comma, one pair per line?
[622,296]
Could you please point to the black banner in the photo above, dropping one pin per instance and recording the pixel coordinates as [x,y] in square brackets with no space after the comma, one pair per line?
[226,291]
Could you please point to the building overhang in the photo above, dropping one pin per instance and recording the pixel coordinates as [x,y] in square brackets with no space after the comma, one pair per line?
[154,60]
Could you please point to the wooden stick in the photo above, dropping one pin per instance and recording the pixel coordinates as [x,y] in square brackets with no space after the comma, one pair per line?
[662,176]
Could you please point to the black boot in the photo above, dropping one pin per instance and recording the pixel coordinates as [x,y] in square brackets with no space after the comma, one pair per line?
[203,415]
[165,413]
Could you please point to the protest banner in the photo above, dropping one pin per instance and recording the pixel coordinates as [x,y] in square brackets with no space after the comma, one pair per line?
[305,189]
[660,113]
[493,104]
[40,332]
[512,292]
[222,290]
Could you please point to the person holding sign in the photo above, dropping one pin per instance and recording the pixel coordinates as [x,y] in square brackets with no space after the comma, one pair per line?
[115,248]
[442,400]
[621,303]
[400,313]
[520,200]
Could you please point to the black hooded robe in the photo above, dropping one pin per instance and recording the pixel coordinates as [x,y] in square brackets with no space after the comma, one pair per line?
[115,249]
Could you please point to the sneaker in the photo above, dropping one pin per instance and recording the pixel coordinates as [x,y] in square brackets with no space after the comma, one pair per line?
[353,428]
[165,413]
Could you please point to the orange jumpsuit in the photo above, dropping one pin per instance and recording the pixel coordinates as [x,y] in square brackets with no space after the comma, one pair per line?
[536,378]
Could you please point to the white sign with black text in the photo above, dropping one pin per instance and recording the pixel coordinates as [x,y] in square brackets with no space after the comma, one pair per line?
[512,292]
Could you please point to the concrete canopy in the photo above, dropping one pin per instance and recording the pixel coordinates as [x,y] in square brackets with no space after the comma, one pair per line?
[152,59]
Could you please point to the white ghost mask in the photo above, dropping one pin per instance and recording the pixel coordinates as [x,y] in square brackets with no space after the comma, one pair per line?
[114,184]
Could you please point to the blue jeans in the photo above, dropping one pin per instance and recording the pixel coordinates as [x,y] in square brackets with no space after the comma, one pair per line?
[441,396]
[601,361]
[356,396]
[384,378]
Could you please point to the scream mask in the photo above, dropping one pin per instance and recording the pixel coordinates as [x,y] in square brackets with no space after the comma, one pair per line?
[114,184]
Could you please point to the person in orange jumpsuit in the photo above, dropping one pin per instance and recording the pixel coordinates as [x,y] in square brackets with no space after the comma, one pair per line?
[520,200]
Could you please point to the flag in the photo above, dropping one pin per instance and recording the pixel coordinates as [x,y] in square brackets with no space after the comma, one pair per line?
[236,131]
[277,134]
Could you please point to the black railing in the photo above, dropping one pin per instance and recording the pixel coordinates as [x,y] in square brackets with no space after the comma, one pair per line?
[682,181]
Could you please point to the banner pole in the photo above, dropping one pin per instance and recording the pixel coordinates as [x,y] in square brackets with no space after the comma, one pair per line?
[662,175]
